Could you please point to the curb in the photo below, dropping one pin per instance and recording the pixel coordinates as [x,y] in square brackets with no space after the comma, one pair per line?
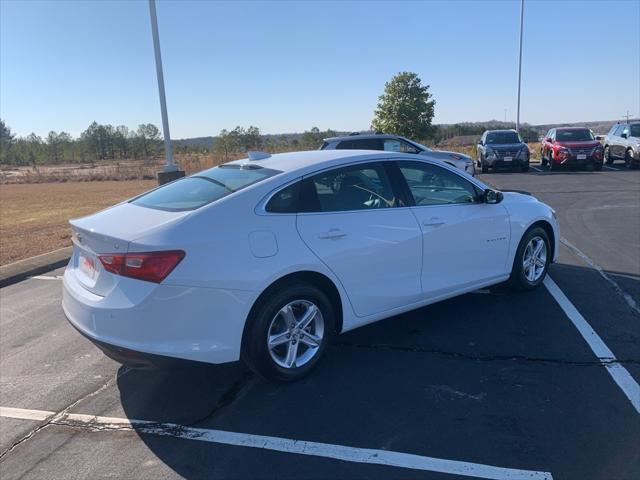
[23,269]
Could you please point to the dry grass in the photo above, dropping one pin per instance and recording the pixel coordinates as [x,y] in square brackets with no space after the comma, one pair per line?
[34,217]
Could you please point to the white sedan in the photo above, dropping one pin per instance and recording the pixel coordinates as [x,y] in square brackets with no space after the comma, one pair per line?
[266,259]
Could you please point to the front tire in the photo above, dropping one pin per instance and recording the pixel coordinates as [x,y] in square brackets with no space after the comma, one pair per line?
[607,156]
[532,260]
[629,161]
[286,336]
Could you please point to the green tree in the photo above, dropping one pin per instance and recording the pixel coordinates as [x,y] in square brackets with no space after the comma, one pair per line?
[7,140]
[405,108]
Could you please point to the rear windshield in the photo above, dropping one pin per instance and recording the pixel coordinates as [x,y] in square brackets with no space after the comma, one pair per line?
[500,138]
[194,192]
[582,135]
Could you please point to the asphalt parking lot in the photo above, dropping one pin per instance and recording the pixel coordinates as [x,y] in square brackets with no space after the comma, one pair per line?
[493,384]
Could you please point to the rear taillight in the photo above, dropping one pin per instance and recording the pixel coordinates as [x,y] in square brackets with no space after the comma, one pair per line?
[148,266]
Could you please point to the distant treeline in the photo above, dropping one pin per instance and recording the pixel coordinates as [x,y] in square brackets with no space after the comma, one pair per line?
[97,142]
[106,142]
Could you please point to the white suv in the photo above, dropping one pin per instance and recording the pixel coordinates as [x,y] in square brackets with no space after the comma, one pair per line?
[396,143]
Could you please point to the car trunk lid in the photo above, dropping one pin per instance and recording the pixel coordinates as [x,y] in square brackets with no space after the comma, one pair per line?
[110,232]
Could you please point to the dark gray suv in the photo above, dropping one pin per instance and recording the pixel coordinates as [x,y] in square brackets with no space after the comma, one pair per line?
[502,149]
[623,143]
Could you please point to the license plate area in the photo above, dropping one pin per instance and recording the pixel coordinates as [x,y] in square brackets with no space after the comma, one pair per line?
[88,266]
[508,159]
[581,156]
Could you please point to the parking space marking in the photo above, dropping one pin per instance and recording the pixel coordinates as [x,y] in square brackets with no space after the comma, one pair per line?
[45,277]
[610,168]
[286,445]
[628,298]
[537,169]
[619,374]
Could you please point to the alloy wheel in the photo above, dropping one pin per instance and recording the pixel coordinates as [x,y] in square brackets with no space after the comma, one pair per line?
[534,260]
[295,334]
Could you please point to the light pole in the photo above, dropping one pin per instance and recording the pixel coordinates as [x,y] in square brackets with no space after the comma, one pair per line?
[520,64]
[170,171]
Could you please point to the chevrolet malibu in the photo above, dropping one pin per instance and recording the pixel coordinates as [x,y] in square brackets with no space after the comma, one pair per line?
[266,259]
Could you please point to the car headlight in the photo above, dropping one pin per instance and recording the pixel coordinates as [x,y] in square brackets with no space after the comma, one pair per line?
[489,152]
[523,152]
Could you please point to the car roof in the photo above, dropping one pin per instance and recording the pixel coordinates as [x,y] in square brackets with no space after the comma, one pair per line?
[572,128]
[501,130]
[315,159]
[363,136]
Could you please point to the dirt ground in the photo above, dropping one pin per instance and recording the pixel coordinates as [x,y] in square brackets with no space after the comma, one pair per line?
[34,217]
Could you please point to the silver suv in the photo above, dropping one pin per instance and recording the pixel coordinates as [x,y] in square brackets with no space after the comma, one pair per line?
[623,143]
[396,143]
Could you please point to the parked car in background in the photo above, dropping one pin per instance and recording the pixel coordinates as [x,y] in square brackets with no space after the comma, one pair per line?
[571,146]
[314,244]
[396,143]
[623,143]
[502,149]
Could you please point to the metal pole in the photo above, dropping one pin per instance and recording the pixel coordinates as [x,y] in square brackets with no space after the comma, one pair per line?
[169,165]
[520,64]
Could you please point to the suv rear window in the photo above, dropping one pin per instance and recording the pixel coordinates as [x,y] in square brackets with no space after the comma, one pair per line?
[194,192]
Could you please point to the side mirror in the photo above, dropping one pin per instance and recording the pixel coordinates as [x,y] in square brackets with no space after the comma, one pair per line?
[480,142]
[623,135]
[599,138]
[492,196]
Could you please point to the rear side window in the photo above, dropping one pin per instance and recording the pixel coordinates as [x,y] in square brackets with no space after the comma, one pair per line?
[194,192]
[362,144]
[358,187]
[284,201]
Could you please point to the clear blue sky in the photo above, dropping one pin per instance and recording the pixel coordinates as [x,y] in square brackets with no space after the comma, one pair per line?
[288,66]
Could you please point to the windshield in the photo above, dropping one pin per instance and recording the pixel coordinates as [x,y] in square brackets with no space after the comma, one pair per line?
[635,130]
[498,138]
[194,192]
[582,135]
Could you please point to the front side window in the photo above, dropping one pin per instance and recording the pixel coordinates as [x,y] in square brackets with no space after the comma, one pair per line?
[619,130]
[194,192]
[432,185]
[357,187]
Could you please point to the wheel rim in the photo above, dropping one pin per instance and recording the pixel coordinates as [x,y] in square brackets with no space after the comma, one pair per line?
[534,260]
[295,334]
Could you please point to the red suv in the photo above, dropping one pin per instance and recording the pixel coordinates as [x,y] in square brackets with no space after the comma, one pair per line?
[571,146]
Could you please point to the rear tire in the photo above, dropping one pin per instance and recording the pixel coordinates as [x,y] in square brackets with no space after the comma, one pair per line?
[543,161]
[484,168]
[277,345]
[532,260]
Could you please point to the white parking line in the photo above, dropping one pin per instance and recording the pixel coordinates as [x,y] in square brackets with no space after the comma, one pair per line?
[610,168]
[619,374]
[537,169]
[45,277]
[286,445]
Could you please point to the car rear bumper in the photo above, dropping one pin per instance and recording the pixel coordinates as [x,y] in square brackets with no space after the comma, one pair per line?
[188,323]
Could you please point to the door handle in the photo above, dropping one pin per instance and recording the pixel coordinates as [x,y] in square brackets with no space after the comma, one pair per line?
[332,234]
[433,222]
